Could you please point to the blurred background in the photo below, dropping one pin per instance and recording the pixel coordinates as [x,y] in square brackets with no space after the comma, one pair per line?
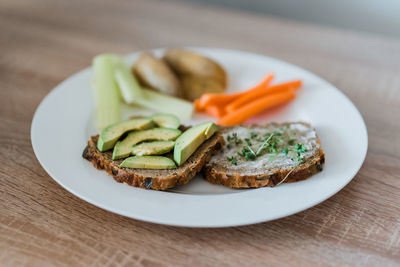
[377,16]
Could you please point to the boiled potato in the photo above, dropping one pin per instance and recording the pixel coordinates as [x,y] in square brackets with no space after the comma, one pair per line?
[156,74]
[190,63]
[194,86]
[198,74]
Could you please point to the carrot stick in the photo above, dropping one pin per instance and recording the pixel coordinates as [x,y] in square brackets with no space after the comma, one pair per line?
[256,94]
[223,99]
[216,99]
[197,107]
[215,111]
[252,108]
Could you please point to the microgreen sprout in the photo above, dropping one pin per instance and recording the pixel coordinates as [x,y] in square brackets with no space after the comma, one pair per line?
[234,139]
[264,145]
[248,141]
[232,159]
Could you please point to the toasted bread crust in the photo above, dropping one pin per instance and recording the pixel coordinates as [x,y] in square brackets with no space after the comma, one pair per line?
[154,179]
[235,180]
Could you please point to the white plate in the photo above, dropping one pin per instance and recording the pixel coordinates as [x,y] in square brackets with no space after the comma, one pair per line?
[63,123]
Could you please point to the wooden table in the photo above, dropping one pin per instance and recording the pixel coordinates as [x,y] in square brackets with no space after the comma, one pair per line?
[44,42]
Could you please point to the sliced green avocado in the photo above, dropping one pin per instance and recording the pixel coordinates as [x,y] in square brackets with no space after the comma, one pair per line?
[191,139]
[166,120]
[148,162]
[153,148]
[110,135]
[122,149]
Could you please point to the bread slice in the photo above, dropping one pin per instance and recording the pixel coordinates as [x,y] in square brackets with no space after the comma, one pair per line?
[269,168]
[154,179]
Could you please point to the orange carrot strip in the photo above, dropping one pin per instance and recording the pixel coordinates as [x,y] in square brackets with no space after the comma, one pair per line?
[256,94]
[249,110]
[223,99]
[197,107]
[215,111]
[216,99]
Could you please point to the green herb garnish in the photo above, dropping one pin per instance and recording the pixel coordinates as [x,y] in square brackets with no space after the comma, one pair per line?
[232,159]
[247,153]
[264,145]
[277,132]
[300,148]
[273,149]
[248,141]
[250,155]
[242,154]
[267,134]
[234,138]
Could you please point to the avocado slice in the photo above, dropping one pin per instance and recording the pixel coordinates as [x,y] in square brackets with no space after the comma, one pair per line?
[110,135]
[122,149]
[166,120]
[148,162]
[191,139]
[152,148]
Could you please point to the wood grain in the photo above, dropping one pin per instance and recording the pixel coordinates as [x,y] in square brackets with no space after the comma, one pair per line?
[43,42]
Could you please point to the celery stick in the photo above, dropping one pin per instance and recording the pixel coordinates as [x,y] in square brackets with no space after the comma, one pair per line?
[127,83]
[107,97]
[165,103]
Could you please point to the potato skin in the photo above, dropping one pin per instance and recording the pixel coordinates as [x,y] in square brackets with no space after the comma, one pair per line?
[198,74]
[195,86]
[155,73]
